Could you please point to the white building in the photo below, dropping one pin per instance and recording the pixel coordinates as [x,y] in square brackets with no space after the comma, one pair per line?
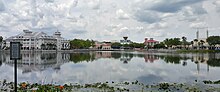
[125,40]
[39,40]
[200,42]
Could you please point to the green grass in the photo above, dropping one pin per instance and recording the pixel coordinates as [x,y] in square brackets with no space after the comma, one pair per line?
[198,51]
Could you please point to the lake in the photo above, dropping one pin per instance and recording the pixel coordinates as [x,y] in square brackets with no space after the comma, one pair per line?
[92,67]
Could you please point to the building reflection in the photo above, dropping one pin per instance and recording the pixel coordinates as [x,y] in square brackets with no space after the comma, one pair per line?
[32,61]
[103,55]
[39,61]
[211,59]
[151,58]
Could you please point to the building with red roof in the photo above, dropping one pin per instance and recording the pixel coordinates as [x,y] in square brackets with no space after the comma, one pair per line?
[150,43]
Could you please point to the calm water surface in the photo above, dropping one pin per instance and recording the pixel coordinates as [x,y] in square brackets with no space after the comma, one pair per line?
[91,67]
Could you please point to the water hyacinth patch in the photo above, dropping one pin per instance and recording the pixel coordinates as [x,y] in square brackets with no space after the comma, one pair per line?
[134,86]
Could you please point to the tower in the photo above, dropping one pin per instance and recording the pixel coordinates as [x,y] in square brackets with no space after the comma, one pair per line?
[125,37]
[207,33]
[197,34]
[57,34]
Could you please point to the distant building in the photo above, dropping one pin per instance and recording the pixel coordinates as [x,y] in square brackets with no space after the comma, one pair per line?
[39,40]
[103,45]
[125,41]
[200,43]
[150,43]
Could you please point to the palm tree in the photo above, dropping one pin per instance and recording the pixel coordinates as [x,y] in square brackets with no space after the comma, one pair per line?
[196,40]
[1,39]
[201,43]
[184,41]
[192,43]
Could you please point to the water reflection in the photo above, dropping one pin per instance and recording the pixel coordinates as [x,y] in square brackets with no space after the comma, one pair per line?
[87,67]
[38,61]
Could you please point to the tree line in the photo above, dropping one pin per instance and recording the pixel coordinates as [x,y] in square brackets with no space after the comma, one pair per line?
[132,45]
[81,44]
[168,42]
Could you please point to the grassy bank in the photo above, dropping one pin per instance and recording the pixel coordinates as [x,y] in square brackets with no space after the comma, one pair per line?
[198,51]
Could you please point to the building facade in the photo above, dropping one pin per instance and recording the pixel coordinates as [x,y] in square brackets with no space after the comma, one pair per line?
[39,41]
[103,45]
[150,43]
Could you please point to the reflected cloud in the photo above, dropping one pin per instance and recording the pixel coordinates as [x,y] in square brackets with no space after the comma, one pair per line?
[90,67]
[150,79]
[38,61]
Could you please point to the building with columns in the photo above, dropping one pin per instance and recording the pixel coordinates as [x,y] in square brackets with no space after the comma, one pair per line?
[39,41]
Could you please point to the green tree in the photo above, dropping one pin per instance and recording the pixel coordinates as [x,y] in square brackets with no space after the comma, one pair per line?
[81,57]
[172,42]
[201,43]
[116,45]
[214,62]
[160,45]
[137,45]
[134,45]
[213,40]
[196,41]
[172,59]
[81,44]
[184,42]
[192,43]
[1,39]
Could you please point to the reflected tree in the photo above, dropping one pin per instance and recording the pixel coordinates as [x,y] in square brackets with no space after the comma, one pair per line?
[1,39]
[140,55]
[116,55]
[172,59]
[80,57]
[48,56]
[214,62]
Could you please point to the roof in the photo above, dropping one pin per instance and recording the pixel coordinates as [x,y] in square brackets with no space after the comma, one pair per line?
[38,35]
[151,41]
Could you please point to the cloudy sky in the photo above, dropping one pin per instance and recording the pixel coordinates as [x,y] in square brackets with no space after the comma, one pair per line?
[111,19]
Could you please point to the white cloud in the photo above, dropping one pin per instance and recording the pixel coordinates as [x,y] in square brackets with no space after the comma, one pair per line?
[124,29]
[160,25]
[147,16]
[90,19]
[198,25]
[156,33]
[217,4]
[139,28]
[172,6]
[121,14]
[2,6]
[94,4]
[49,1]
[115,26]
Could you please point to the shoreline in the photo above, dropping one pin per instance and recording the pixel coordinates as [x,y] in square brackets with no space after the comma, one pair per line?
[111,86]
[144,50]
